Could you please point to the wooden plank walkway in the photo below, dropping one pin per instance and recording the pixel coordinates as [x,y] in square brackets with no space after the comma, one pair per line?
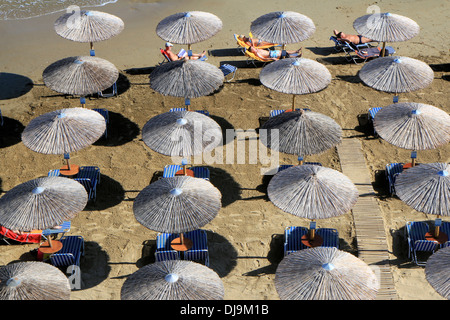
[369,224]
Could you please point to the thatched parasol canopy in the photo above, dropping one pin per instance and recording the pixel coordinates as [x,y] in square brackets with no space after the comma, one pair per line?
[177,204]
[437,271]
[325,273]
[396,74]
[33,280]
[413,126]
[302,133]
[186,78]
[173,280]
[88,26]
[181,133]
[81,75]
[426,188]
[188,27]
[42,203]
[386,27]
[63,131]
[312,192]
[282,27]
[295,76]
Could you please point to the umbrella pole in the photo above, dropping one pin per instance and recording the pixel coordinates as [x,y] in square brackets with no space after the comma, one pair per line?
[383,49]
[293,102]
[436,229]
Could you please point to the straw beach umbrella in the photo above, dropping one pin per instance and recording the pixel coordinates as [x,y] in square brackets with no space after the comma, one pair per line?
[189,27]
[33,280]
[413,126]
[396,74]
[437,271]
[386,27]
[88,26]
[302,132]
[295,76]
[312,192]
[173,280]
[80,75]
[325,273]
[181,133]
[282,27]
[426,188]
[186,78]
[63,131]
[177,204]
[42,203]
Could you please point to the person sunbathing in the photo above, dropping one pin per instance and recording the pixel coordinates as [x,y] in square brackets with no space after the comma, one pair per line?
[182,54]
[257,43]
[275,54]
[352,38]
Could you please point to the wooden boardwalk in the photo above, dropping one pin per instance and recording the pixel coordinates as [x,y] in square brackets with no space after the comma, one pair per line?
[369,224]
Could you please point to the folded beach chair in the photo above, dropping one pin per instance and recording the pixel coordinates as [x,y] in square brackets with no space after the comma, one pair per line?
[90,187]
[163,250]
[371,115]
[199,172]
[105,94]
[53,173]
[421,250]
[70,254]
[228,69]
[330,237]
[392,171]
[205,112]
[105,114]
[292,239]
[89,177]
[445,228]
[199,250]
[414,231]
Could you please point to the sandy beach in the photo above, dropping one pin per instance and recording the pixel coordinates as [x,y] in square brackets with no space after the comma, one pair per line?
[245,239]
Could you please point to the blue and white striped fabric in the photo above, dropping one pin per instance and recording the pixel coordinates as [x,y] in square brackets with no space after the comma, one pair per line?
[415,230]
[330,237]
[167,255]
[293,239]
[445,228]
[228,69]
[371,115]
[53,173]
[206,113]
[163,249]
[88,186]
[199,250]
[70,254]
[199,172]
[423,246]
[90,172]
[65,227]
[392,170]
[105,114]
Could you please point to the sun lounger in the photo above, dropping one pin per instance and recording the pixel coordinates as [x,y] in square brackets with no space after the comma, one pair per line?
[109,94]
[292,239]
[62,229]
[251,58]
[70,254]
[228,69]
[6,235]
[105,113]
[199,172]
[414,231]
[421,251]
[163,250]
[199,250]
[358,54]
[330,237]
[392,171]
[247,44]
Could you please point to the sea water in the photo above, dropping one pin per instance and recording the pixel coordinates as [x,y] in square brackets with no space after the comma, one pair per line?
[25,9]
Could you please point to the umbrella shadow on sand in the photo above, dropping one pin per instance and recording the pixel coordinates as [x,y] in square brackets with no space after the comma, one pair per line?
[120,130]
[222,254]
[14,85]
[109,194]
[10,132]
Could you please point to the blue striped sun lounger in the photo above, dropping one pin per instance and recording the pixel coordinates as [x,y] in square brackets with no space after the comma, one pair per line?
[70,254]
[199,172]
[199,250]
[293,239]
[330,237]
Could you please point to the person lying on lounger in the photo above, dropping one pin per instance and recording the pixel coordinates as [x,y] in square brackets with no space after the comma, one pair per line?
[275,54]
[247,42]
[182,54]
[352,38]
